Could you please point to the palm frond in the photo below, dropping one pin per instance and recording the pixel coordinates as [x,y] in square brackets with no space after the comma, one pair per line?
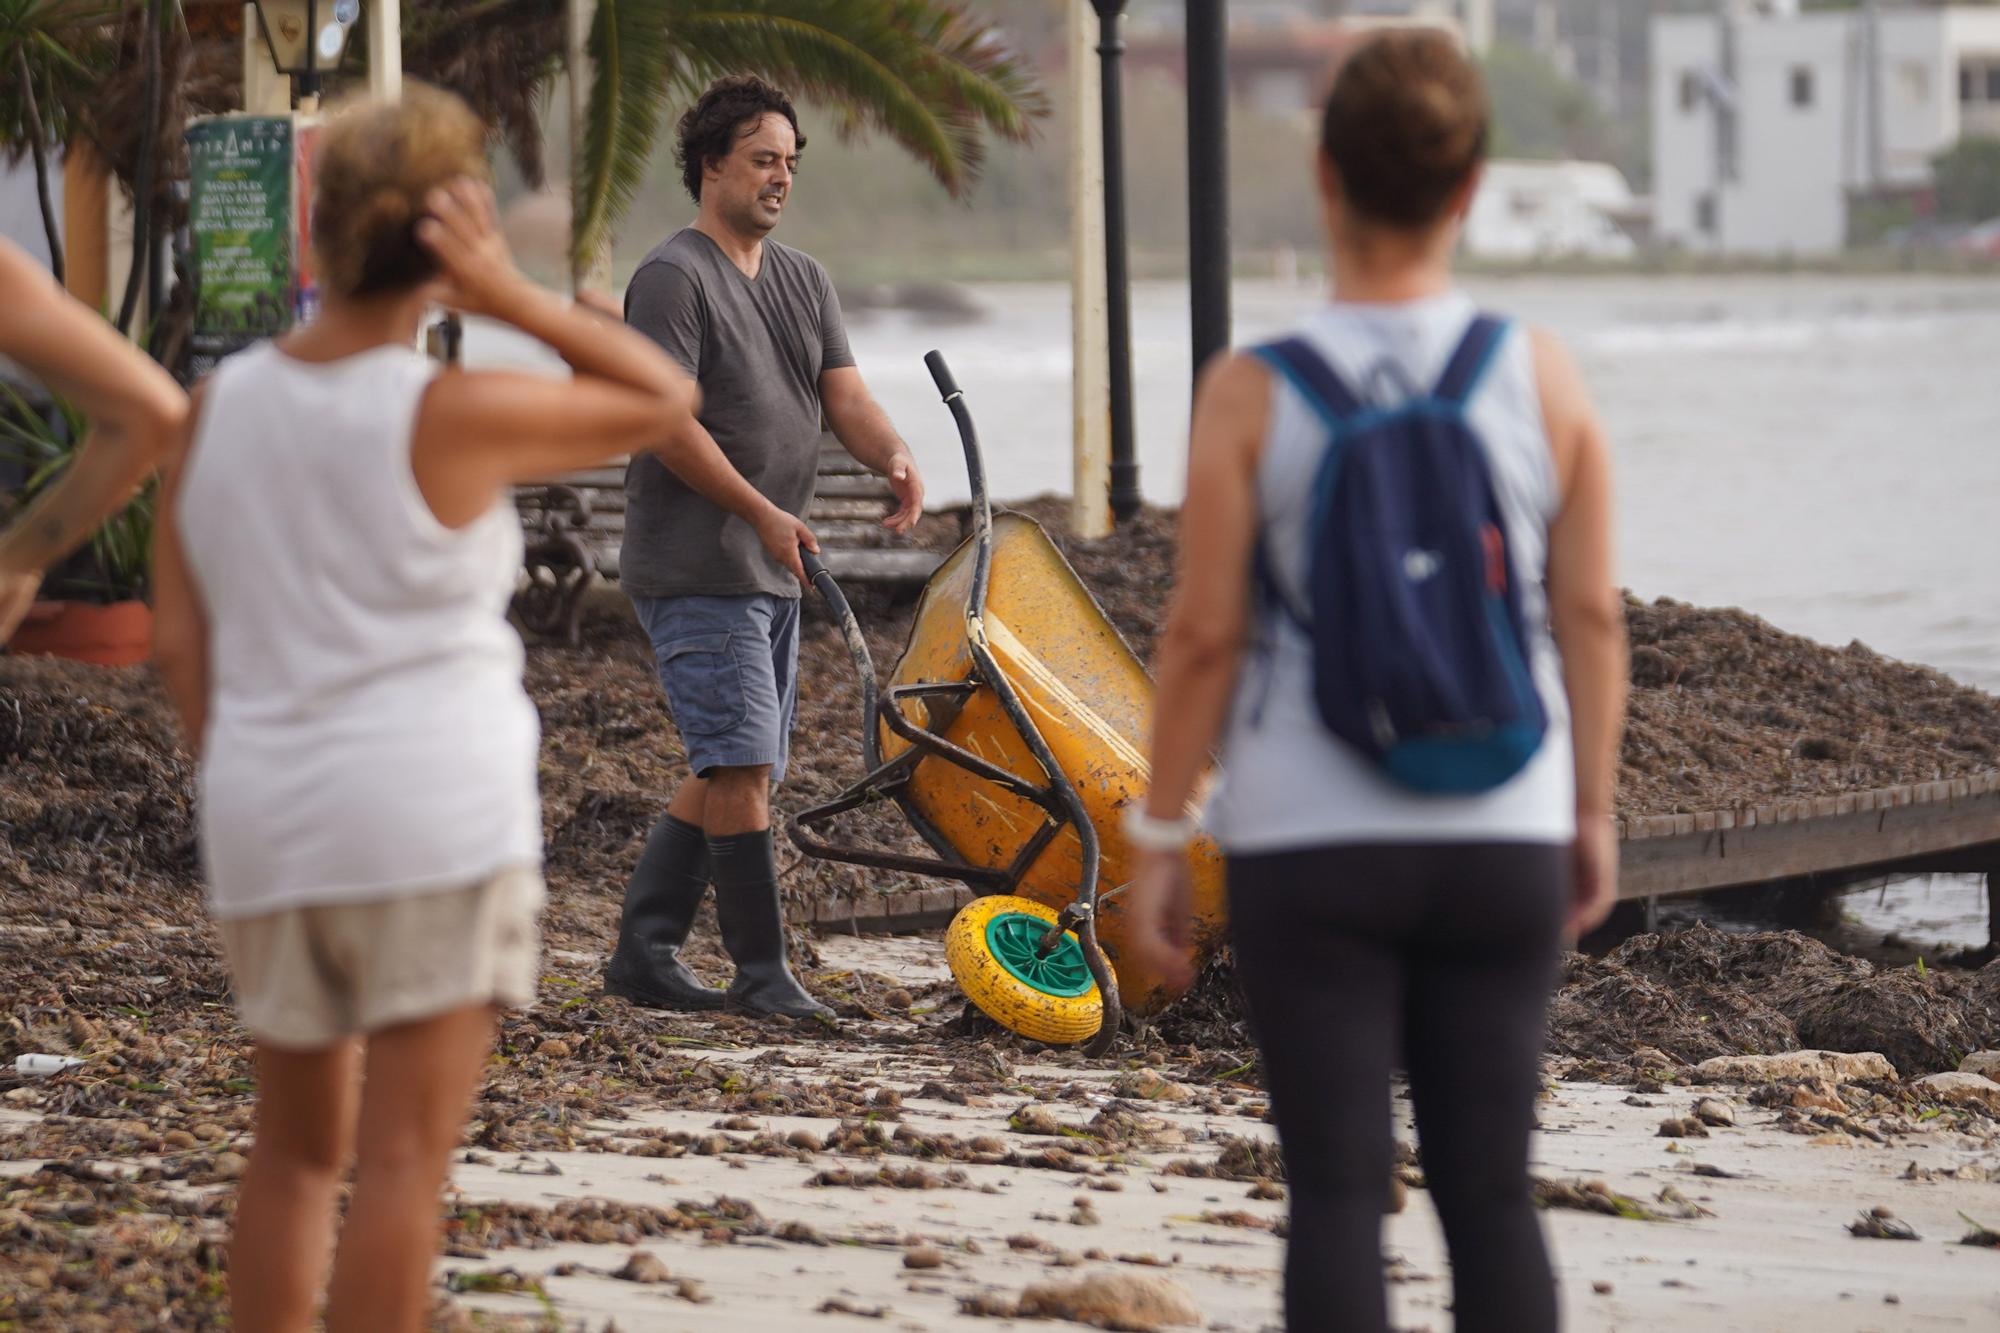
[500,56]
[633,61]
[922,72]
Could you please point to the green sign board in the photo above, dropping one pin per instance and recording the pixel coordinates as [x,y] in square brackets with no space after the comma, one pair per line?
[242,221]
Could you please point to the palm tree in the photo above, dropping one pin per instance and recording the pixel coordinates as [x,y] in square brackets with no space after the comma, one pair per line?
[51,53]
[922,71]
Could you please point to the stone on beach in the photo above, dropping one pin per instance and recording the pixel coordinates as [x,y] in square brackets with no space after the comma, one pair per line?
[1714,1113]
[1133,1302]
[1962,1089]
[644,1266]
[1984,1063]
[1839,1066]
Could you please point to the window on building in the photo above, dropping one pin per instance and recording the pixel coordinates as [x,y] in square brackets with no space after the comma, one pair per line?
[1704,213]
[1802,85]
[1979,79]
[1690,90]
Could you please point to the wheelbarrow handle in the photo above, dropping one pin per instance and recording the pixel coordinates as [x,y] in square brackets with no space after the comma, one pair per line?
[941,376]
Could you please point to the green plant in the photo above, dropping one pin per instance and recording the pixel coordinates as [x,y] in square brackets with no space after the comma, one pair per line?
[51,53]
[116,564]
[1967,176]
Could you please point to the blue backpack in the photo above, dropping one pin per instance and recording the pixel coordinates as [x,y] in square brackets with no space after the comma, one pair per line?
[1414,616]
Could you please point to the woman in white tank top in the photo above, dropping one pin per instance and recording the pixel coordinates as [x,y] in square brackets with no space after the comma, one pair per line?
[335,552]
[1377,924]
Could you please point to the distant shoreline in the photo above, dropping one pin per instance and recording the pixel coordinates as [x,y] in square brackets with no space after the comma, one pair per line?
[1054,266]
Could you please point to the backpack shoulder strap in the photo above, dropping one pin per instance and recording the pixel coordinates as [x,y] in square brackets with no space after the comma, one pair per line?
[1468,364]
[1307,371]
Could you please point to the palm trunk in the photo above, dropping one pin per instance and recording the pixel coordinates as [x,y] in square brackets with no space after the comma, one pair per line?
[142,179]
[51,225]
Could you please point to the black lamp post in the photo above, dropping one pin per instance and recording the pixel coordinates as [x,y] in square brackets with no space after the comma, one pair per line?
[1117,271]
[1208,176]
[306,37]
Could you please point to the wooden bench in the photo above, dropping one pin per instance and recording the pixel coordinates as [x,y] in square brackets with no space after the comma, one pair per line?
[846,516]
[573,527]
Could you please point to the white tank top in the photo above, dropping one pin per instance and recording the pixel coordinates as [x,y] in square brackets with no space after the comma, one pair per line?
[368,734]
[1287,781]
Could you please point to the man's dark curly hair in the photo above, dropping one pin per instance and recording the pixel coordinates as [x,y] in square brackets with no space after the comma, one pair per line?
[712,125]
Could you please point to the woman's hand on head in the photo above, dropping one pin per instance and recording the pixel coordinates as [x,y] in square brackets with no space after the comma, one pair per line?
[461,229]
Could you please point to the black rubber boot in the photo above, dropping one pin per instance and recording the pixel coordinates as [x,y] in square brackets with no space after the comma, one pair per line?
[660,903]
[753,929]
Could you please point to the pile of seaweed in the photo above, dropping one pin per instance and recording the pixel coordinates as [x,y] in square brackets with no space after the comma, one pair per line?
[1701,992]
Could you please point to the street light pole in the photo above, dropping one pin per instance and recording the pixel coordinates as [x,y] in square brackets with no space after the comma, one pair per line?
[1208,176]
[385,49]
[1089,337]
[309,84]
[1117,270]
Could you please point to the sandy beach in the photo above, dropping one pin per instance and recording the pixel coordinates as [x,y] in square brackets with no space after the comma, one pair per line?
[853,1153]
[967,1172]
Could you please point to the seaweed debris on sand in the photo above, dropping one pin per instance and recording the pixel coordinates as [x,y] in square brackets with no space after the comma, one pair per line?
[1701,992]
[106,954]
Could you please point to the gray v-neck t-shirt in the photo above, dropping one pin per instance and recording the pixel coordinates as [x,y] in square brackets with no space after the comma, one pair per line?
[757,346]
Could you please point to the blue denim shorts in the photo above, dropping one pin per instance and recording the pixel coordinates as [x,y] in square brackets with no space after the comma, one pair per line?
[730,667]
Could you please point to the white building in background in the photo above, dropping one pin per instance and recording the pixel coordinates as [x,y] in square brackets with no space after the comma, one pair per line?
[1546,210]
[1765,118]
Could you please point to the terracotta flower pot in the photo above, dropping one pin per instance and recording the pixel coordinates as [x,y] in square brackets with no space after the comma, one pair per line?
[120,634]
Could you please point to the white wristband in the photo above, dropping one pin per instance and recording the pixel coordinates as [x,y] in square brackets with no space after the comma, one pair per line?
[1146,833]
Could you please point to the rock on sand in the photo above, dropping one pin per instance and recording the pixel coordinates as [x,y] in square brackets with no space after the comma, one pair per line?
[1135,1302]
[1841,1067]
[1984,1063]
[1963,1089]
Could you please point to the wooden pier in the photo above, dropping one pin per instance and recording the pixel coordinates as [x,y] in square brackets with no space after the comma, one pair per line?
[1949,825]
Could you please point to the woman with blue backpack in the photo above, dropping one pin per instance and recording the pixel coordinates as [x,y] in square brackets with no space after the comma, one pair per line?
[1395,612]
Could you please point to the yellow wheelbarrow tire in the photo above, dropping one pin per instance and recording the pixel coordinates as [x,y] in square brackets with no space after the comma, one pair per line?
[1057,1006]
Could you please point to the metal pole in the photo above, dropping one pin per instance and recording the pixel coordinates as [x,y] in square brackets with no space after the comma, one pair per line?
[1208,176]
[1871,74]
[309,81]
[385,49]
[1117,270]
[1090,374]
[267,91]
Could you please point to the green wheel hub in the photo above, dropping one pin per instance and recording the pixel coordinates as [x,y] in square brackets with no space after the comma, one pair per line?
[1015,939]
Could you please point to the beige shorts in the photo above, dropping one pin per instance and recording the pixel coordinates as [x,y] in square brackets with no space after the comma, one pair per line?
[308,976]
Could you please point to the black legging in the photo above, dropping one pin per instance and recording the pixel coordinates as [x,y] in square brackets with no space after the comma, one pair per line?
[1440,954]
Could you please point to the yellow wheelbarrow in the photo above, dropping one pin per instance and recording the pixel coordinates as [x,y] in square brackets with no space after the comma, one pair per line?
[1011,735]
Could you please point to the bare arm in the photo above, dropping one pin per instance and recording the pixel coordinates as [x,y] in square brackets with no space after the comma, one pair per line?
[1202,648]
[695,457]
[180,623]
[1210,618]
[133,406]
[864,430]
[625,393]
[1587,615]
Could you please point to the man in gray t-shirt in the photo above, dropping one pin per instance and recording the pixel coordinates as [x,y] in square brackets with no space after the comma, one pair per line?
[711,558]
